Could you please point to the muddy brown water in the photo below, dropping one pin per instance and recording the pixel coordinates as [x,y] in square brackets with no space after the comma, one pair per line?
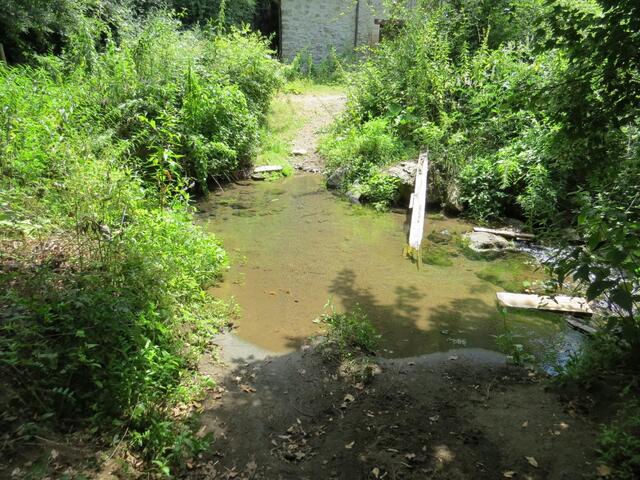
[298,251]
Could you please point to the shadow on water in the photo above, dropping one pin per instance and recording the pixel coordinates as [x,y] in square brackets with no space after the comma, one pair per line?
[456,323]
[304,246]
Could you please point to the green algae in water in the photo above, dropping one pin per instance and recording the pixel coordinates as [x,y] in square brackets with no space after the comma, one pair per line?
[436,255]
[511,272]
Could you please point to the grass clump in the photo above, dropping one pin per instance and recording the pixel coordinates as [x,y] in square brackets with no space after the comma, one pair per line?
[350,333]
[351,341]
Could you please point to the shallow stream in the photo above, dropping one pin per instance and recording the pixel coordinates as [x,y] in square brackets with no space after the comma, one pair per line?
[296,248]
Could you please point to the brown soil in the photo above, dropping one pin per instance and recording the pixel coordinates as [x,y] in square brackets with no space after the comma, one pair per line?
[318,110]
[455,415]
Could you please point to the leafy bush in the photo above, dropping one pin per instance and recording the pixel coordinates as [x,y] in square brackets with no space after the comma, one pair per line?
[360,152]
[330,71]
[619,443]
[245,59]
[381,190]
[104,310]
[476,104]
[608,264]
[480,189]
[351,332]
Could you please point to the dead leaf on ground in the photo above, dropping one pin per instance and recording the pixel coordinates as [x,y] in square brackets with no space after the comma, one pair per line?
[509,474]
[532,461]
[525,424]
[349,446]
[247,389]
[375,472]
[604,471]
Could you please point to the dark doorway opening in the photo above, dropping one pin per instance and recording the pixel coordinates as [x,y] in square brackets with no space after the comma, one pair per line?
[390,29]
[268,21]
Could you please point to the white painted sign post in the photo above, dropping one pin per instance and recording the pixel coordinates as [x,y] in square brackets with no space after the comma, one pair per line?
[418,206]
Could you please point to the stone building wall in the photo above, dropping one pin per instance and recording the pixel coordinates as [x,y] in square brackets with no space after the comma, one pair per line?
[318,25]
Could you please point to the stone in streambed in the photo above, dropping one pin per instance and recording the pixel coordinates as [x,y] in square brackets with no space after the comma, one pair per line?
[487,242]
[336,179]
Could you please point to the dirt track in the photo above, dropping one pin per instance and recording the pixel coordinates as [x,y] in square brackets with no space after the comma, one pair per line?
[318,110]
[456,415]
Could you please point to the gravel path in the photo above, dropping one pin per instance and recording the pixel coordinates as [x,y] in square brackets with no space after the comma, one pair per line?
[318,110]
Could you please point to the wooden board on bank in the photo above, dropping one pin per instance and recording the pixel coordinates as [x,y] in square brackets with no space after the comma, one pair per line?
[580,326]
[267,169]
[558,303]
[418,202]
[505,233]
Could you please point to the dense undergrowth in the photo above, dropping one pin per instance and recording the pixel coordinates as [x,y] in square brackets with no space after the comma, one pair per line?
[103,309]
[490,94]
[529,109]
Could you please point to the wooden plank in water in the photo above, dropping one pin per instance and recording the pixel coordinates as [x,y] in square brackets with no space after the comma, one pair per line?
[580,326]
[267,168]
[558,303]
[505,233]
[419,202]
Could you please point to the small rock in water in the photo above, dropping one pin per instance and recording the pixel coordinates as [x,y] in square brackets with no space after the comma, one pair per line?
[355,193]
[336,178]
[486,242]
[441,238]
[298,152]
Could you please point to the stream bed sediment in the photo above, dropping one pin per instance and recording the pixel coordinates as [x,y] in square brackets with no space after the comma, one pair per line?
[298,250]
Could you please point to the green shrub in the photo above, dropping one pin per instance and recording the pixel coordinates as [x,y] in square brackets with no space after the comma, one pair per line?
[351,332]
[245,59]
[104,273]
[480,190]
[220,113]
[381,190]
[619,443]
[360,153]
